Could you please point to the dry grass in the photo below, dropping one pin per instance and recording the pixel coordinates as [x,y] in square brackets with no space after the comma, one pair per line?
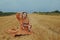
[45,27]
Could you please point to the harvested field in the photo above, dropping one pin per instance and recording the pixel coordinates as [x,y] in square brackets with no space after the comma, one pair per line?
[45,27]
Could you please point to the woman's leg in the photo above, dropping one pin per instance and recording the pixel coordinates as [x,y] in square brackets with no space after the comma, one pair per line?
[29,28]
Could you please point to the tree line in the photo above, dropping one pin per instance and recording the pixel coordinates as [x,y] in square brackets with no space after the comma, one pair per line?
[6,13]
[56,12]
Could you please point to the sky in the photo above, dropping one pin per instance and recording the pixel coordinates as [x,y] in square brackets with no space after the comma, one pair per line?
[29,5]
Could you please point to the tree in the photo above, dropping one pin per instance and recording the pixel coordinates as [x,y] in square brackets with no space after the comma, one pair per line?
[1,12]
[57,11]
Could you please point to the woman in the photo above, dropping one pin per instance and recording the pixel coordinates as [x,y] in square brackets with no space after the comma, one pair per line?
[19,17]
[26,23]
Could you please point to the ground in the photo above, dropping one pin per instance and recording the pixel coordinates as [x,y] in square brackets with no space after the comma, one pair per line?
[45,27]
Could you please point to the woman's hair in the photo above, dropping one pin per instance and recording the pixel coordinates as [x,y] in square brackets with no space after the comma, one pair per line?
[24,13]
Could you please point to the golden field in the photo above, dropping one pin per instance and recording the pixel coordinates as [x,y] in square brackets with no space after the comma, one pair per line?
[45,27]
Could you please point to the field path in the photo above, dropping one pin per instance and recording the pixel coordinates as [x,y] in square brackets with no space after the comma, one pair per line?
[41,28]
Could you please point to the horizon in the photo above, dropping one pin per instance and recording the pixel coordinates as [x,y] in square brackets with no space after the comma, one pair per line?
[29,5]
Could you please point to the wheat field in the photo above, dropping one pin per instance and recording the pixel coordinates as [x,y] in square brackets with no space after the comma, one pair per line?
[45,27]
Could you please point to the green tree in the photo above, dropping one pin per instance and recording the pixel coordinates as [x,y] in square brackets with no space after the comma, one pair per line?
[1,12]
[57,11]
